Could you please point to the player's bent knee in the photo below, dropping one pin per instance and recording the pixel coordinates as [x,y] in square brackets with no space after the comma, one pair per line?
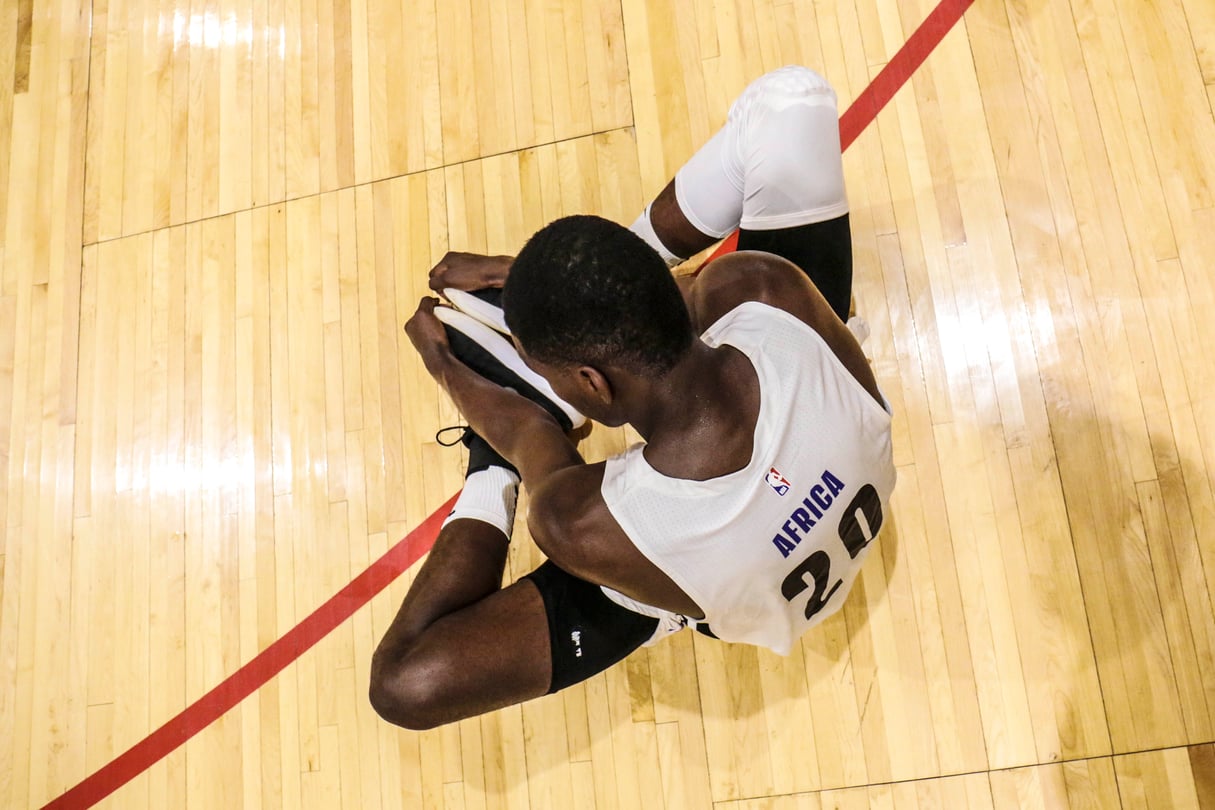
[408,693]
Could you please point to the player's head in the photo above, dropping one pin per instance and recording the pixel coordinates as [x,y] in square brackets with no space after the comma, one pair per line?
[586,292]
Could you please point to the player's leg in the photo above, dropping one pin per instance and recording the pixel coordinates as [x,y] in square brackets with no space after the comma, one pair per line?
[795,204]
[460,647]
[775,171]
[441,658]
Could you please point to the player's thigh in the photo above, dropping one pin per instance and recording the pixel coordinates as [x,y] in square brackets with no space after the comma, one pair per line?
[587,632]
[490,654]
[541,634]
[775,163]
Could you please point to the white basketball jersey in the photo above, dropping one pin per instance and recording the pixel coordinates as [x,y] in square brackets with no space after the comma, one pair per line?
[772,549]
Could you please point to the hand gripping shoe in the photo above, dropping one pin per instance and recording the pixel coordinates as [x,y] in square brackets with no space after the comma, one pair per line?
[495,358]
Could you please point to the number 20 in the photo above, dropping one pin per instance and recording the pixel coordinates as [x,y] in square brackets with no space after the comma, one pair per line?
[859,524]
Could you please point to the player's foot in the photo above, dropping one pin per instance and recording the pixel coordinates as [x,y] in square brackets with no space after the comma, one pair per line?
[495,358]
[480,455]
[484,305]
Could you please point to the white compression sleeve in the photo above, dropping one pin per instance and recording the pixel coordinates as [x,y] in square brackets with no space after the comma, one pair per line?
[490,496]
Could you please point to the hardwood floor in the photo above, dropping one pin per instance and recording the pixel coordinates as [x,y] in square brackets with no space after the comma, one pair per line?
[215,217]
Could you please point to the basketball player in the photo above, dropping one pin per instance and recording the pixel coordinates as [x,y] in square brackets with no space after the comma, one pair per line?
[766,468]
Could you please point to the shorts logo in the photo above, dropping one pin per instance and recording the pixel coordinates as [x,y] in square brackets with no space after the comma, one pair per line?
[778,482]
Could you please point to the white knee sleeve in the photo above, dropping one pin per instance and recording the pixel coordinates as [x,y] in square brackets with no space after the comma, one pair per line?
[776,163]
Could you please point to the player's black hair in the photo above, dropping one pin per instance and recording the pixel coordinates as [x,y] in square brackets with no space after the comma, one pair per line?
[588,291]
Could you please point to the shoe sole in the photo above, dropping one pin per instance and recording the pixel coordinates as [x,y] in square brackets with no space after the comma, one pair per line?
[495,358]
[474,306]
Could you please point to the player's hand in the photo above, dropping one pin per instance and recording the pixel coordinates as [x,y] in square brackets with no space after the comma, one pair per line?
[427,334]
[469,271]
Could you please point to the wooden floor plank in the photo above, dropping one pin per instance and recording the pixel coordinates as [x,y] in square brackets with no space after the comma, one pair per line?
[1156,779]
[215,216]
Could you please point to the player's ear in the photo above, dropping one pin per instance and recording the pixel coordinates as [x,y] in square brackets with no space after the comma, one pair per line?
[596,385]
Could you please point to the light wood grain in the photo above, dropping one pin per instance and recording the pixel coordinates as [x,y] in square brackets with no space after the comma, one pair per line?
[216,215]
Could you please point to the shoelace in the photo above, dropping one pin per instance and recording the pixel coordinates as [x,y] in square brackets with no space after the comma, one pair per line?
[463,432]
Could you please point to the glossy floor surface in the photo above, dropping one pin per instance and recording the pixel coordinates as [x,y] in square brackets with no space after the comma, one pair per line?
[216,215]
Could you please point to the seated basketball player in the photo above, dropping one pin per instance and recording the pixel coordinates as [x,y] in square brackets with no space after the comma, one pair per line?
[766,466]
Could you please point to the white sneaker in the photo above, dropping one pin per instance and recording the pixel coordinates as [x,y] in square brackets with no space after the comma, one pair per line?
[484,305]
[495,358]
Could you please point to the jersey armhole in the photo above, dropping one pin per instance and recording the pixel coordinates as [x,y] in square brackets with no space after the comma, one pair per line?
[677,578]
[883,407]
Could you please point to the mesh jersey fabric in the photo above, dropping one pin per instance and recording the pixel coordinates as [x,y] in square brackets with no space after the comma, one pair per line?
[771,549]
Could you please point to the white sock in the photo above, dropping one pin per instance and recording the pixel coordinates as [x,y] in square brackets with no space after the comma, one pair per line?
[645,230]
[490,496]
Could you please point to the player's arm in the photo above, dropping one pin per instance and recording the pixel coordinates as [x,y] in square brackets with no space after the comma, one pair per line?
[469,271]
[516,427]
[747,275]
[572,525]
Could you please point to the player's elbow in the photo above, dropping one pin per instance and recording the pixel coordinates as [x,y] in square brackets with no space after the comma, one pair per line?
[406,692]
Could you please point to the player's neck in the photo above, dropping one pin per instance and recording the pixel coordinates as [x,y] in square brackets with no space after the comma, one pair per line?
[699,420]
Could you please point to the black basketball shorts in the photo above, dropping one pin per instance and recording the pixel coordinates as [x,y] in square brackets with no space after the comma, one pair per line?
[587,631]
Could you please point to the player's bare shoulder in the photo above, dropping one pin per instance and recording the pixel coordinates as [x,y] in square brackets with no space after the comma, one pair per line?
[745,276]
[749,275]
[569,520]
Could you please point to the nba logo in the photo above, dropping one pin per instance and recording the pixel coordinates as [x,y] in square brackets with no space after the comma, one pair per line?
[778,482]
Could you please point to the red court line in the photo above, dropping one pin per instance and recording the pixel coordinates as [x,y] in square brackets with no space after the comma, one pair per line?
[899,69]
[264,666]
[272,660]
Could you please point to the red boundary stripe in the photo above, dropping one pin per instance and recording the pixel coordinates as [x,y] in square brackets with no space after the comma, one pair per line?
[898,70]
[299,639]
[264,666]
